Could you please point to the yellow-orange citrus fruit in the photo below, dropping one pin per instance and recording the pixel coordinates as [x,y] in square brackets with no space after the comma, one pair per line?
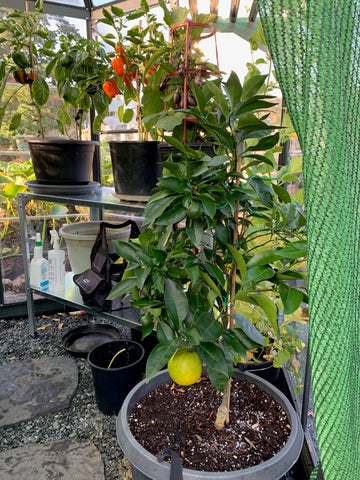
[185,366]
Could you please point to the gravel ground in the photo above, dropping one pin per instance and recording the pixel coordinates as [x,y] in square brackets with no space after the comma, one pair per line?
[83,420]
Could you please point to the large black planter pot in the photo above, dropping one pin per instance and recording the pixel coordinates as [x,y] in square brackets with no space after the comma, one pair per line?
[62,161]
[113,384]
[146,467]
[136,167]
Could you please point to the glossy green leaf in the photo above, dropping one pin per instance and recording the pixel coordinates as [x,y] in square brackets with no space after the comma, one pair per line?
[164,332]
[253,85]
[172,216]
[122,288]
[40,91]
[270,309]
[216,364]
[176,301]
[240,262]
[159,357]
[263,258]
[156,209]
[210,328]
[258,274]
[248,328]
[291,298]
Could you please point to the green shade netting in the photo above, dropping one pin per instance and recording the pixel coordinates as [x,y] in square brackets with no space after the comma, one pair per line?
[315,46]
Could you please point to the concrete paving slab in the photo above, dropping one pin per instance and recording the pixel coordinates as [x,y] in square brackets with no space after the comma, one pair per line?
[35,387]
[60,460]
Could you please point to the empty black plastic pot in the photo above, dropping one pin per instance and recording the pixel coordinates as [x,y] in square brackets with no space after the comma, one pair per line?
[113,384]
[136,167]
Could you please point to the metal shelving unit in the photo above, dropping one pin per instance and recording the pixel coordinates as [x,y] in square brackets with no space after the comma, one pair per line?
[102,199]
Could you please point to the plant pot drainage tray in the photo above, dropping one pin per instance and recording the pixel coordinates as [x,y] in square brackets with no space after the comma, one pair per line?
[81,340]
[62,189]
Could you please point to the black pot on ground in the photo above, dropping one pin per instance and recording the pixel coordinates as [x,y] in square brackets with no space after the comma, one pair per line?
[146,467]
[62,161]
[113,384]
[136,167]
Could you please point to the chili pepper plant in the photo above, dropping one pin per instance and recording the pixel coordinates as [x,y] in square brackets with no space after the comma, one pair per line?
[220,231]
[29,44]
[138,43]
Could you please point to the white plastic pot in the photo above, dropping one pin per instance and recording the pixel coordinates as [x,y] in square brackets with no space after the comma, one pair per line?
[80,238]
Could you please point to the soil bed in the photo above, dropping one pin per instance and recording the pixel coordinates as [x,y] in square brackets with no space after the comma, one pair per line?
[182,418]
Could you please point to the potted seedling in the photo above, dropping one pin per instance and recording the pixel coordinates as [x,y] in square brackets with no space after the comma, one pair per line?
[186,273]
[30,43]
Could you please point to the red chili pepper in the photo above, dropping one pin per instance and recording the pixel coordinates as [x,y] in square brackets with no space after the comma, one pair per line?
[127,81]
[118,65]
[20,76]
[110,88]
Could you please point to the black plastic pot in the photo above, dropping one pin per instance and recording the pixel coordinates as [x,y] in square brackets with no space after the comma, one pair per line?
[136,167]
[146,467]
[113,384]
[62,161]
[265,370]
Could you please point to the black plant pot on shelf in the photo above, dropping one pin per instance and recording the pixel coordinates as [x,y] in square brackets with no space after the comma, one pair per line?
[62,161]
[136,167]
[145,466]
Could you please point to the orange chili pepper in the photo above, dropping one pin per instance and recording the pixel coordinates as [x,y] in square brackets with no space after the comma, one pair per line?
[110,88]
[31,76]
[118,65]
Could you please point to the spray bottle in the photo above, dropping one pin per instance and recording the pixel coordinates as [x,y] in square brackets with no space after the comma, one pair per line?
[56,265]
[39,277]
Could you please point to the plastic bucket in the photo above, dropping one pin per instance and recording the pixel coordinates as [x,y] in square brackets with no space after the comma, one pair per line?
[113,384]
[80,238]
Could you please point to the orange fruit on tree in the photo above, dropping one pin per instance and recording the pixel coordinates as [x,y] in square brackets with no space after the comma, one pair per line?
[185,366]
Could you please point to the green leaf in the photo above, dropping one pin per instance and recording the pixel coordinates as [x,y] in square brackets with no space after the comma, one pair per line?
[159,357]
[210,328]
[164,332]
[291,298]
[15,122]
[156,209]
[258,274]
[264,191]
[282,357]
[240,262]
[253,85]
[216,364]
[234,88]
[248,328]
[122,288]
[282,193]
[40,91]
[173,216]
[263,258]
[176,301]
[128,115]
[233,346]
[293,250]
[192,335]
[269,307]
[220,98]
[209,205]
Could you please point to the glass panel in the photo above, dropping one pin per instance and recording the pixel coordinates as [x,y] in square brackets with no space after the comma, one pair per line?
[73,3]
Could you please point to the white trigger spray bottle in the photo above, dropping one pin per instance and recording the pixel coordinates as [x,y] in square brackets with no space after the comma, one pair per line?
[56,258]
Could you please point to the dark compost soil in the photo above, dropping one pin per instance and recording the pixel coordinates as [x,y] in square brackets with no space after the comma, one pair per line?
[182,418]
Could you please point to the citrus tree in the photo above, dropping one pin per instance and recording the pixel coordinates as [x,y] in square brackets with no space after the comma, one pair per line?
[197,258]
